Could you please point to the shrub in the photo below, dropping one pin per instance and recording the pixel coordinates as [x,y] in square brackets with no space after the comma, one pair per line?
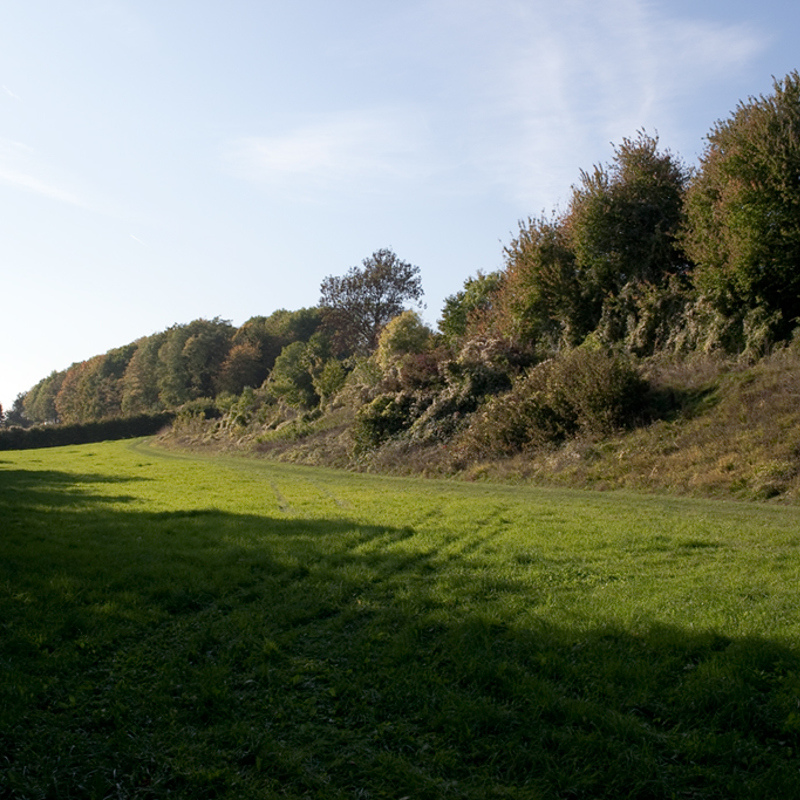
[587,390]
[421,370]
[291,380]
[406,333]
[386,416]
[601,390]
[203,408]
[329,379]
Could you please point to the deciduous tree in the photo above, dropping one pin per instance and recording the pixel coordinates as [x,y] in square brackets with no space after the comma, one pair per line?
[743,209]
[624,220]
[541,299]
[291,379]
[17,414]
[39,401]
[406,333]
[466,306]
[140,382]
[357,305]
[190,360]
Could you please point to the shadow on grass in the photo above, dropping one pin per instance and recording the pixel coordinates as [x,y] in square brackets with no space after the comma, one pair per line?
[671,403]
[27,488]
[207,654]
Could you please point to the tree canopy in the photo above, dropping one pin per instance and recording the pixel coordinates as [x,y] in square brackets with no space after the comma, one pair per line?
[467,305]
[564,272]
[357,305]
[743,208]
[648,256]
[625,217]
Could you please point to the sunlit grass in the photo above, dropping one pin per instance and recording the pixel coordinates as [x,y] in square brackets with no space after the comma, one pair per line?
[202,627]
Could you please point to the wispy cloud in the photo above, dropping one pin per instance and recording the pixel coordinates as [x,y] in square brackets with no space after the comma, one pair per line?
[698,48]
[21,169]
[519,97]
[137,239]
[567,79]
[10,93]
[361,148]
[36,185]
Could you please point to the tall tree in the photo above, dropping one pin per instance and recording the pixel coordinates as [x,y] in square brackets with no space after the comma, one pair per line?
[260,340]
[357,305]
[542,299]
[244,366]
[743,208]
[140,382]
[39,401]
[69,401]
[92,390]
[190,360]
[625,218]
[17,414]
[465,306]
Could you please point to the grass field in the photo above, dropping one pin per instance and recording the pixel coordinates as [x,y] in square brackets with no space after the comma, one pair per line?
[225,627]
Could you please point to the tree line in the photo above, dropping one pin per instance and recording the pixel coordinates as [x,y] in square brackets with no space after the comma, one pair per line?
[652,255]
[298,350]
[649,256]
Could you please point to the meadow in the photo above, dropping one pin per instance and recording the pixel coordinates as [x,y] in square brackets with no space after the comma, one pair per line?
[190,626]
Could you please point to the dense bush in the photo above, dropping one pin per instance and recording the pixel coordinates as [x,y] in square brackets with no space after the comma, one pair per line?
[588,391]
[204,408]
[743,226]
[386,416]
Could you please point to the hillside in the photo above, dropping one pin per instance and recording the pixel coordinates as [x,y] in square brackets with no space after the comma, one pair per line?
[644,337]
[716,428]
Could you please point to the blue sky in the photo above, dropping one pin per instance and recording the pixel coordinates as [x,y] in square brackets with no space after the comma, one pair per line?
[166,160]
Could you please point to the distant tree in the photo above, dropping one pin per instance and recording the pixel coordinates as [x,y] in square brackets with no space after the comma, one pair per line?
[69,401]
[243,366]
[204,354]
[40,400]
[140,385]
[110,384]
[291,379]
[267,335]
[357,305]
[17,414]
[743,209]
[190,360]
[294,326]
[92,390]
[257,335]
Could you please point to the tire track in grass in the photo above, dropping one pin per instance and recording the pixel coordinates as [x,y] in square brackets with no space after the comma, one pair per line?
[330,495]
[283,504]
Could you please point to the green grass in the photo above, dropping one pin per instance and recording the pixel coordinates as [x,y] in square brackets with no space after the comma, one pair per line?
[225,627]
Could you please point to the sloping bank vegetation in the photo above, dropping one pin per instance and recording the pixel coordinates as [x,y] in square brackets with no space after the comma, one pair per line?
[644,337]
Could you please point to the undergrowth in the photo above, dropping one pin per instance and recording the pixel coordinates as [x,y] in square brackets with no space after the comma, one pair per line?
[703,426]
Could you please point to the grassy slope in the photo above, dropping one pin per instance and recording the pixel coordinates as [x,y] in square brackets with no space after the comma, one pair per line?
[735,432]
[725,430]
[227,627]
